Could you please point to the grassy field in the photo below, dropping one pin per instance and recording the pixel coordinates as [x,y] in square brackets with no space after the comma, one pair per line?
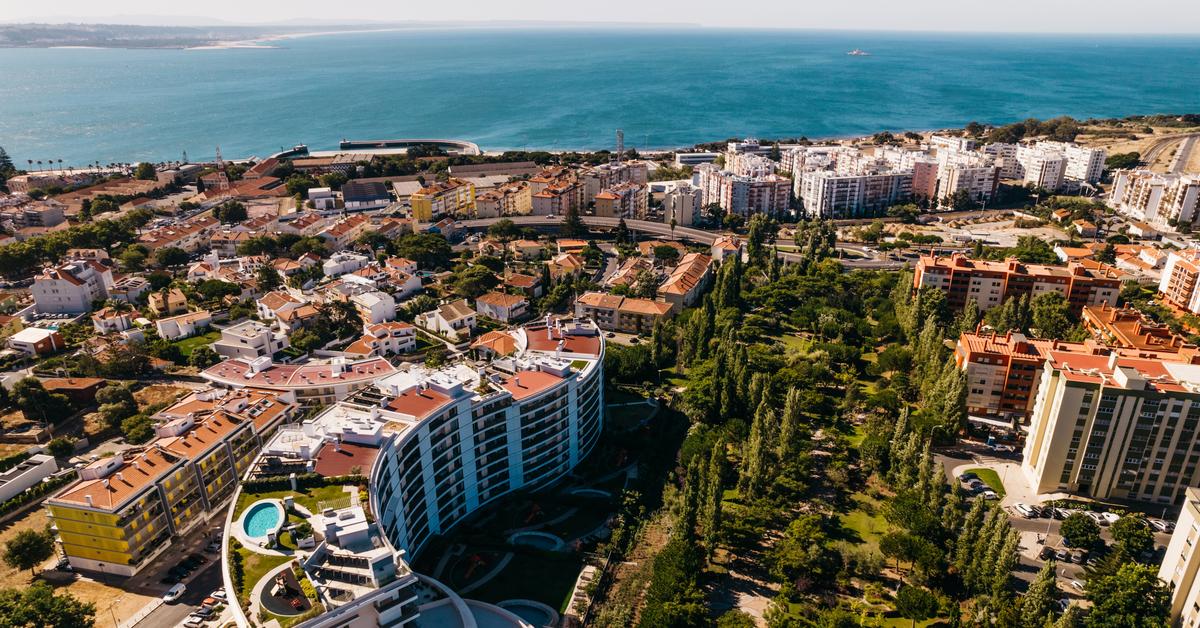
[991,478]
[865,523]
[187,345]
[256,566]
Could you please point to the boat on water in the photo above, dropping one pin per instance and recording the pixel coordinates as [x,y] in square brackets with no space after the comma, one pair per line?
[859,52]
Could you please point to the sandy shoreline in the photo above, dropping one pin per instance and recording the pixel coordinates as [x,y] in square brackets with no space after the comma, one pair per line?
[264,42]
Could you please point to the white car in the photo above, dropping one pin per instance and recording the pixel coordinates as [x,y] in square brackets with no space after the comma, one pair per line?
[174,593]
[218,594]
[990,495]
[1077,585]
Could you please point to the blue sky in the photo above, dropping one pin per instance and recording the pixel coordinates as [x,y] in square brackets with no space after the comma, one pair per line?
[1075,16]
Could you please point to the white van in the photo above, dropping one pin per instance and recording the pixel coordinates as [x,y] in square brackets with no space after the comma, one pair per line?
[1025,511]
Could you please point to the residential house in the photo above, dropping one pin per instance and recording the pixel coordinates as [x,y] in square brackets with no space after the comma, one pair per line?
[382,339]
[129,288]
[71,287]
[374,306]
[502,306]
[687,281]
[566,264]
[167,302]
[249,340]
[183,325]
[529,285]
[226,241]
[526,249]
[36,341]
[303,224]
[455,320]
[343,233]
[344,262]
[615,313]
[109,320]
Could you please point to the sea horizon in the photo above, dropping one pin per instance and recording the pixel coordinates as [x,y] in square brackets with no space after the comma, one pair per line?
[570,89]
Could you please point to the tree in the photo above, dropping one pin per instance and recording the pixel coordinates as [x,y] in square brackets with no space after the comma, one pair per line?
[170,256]
[916,604]
[133,258]
[1123,161]
[755,451]
[474,281]
[1038,604]
[1050,314]
[1132,535]
[573,226]
[38,404]
[666,254]
[39,605]
[116,404]
[504,230]
[1132,597]
[62,447]
[268,278]
[1079,530]
[803,557]
[28,549]
[230,212]
[1108,254]
[203,357]
[429,251]
[145,171]
[138,428]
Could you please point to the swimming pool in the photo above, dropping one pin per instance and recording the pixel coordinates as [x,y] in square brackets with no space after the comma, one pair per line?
[262,519]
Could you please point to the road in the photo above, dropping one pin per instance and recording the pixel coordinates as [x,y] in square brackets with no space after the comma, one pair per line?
[1179,164]
[689,234]
[207,580]
[1152,153]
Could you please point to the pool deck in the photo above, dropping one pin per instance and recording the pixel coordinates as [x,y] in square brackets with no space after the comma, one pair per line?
[255,544]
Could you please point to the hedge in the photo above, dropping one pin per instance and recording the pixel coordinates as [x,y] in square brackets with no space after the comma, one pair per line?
[303,481]
[9,462]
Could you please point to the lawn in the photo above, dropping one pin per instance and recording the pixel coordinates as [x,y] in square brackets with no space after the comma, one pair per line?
[187,345]
[309,498]
[989,477]
[546,578]
[865,523]
[256,566]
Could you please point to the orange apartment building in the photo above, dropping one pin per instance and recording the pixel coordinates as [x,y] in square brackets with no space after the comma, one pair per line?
[990,283]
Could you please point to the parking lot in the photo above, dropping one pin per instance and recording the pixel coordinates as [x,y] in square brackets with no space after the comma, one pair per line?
[1040,538]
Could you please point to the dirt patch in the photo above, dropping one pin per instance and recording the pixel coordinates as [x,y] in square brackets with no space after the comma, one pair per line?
[158,394]
[13,418]
[111,602]
[35,520]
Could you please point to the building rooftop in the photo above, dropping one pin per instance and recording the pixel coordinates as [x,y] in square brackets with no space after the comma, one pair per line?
[263,373]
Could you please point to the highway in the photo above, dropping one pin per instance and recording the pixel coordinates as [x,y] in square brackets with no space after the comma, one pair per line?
[690,234]
[1152,153]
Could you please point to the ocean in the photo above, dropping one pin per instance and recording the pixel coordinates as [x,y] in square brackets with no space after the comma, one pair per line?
[567,89]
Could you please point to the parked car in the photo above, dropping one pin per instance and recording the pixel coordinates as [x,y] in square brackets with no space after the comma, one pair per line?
[1061,513]
[193,622]
[174,593]
[1078,586]
[1062,556]
[219,594]
[214,547]
[990,495]
[1110,517]
[1158,524]
[1025,510]
[203,611]
[1047,553]
[64,564]
[967,476]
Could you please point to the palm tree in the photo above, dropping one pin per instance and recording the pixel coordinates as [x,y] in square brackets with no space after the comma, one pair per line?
[30,162]
[39,163]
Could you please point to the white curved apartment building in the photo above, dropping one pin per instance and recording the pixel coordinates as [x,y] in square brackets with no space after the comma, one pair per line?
[437,445]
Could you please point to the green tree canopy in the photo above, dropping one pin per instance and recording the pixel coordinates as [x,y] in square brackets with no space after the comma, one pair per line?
[39,605]
[1079,530]
[28,549]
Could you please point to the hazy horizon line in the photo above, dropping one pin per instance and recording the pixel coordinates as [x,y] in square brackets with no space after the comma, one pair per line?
[384,25]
